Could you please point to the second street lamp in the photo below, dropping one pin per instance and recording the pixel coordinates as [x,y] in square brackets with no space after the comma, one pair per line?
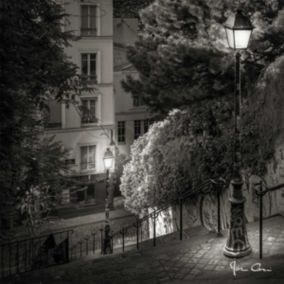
[107,243]
[238,31]
[108,161]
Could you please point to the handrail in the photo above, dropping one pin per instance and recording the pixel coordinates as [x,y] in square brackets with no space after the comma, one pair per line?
[267,189]
[279,186]
[186,194]
[260,194]
[32,253]
[37,237]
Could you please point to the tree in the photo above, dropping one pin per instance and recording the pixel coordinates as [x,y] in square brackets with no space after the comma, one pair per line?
[176,59]
[34,69]
[182,56]
[183,61]
[129,8]
[42,179]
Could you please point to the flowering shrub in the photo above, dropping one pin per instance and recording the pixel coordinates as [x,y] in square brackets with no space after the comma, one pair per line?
[161,165]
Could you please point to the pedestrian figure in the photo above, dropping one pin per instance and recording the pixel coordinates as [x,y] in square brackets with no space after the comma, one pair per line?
[107,240]
[107,213]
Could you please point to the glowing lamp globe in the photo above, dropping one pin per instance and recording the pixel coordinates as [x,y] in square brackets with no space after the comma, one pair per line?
[108,159]
[238,30]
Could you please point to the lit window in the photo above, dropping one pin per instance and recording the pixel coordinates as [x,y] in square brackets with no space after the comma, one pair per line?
[89,66]
[137,128]
[88,111]
[88,157]
[89,20]
[121,131]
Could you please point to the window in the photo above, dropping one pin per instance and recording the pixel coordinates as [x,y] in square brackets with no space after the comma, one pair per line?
[141,127]
[146,125]
[137,128]
[88,111]
[121,131]
[80,195]
[90,193]
[87,192]
[89,66]
[137,101]
[88,157]
[89,20]
[54,114]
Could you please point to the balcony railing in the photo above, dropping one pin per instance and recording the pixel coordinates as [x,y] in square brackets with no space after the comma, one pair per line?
[87,166]
[88,118]
[89,79]
[89,31]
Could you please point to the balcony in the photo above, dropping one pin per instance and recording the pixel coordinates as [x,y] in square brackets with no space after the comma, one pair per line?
[84,167]
[89,79]
[88,118]
[86,32]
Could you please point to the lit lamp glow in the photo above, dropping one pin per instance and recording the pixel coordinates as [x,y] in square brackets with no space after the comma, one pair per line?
[238,30]
[107,243]
[108,159]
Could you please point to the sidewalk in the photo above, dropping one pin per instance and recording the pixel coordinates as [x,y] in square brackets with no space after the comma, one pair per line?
[197,259]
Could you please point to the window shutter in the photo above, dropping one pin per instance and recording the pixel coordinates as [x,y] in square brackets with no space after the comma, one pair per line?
[84,18]
[93,18]
[84,157]
[92,156]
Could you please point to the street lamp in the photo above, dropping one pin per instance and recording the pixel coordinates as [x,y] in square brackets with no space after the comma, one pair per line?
[107,244]
[238,31]
[108,161]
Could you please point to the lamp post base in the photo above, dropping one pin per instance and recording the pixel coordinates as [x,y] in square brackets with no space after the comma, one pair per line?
[237,244]
[236,254]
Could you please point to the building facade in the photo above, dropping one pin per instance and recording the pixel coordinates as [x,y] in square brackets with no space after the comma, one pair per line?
[131,115]
[84,129]
[106,113]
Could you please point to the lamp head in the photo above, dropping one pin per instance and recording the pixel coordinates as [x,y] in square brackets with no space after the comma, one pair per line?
[238,29]
[108,159]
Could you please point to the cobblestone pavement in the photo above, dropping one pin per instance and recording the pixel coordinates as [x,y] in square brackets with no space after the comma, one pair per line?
[197,259]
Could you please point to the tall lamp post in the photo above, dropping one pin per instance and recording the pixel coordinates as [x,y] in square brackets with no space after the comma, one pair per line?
[108,161]
[107,243]
[238,31]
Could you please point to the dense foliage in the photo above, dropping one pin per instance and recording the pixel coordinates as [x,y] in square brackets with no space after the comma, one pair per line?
[183,62]
[182,54]
[42,180]
[166,160]
[34,69]
[129,8]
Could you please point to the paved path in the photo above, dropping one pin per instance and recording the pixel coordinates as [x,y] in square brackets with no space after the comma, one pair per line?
[196,259]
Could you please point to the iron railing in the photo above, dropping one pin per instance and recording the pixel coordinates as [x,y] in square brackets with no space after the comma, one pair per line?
[55,248]
[260,194]
[33,253]
[138,232]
